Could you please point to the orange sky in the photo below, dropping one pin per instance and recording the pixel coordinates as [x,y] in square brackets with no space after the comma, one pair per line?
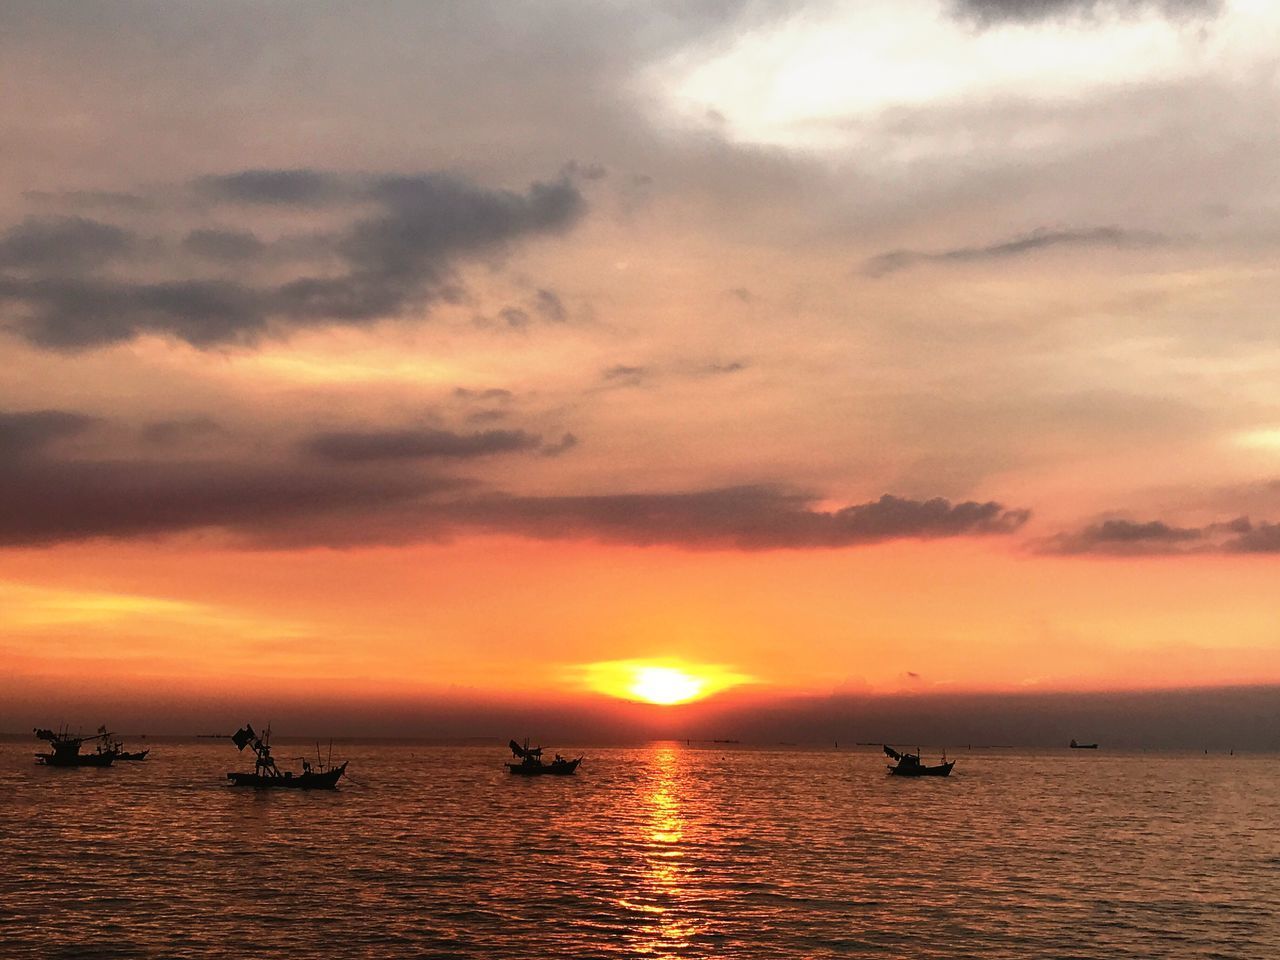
[672,341]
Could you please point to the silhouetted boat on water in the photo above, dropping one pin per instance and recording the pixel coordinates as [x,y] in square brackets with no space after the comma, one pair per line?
[532,765]
[909,765]
[117,747]
[66,750]
[1082,746]
[323,776]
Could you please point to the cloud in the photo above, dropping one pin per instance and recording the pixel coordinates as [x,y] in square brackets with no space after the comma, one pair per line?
[228,245]
[29,432]
[743,518]
[357,447]
[1119,537]
[354,491]
[624,375]
[561,446]
[989,12]
[733,366]
[298,187]
[166,432]
[1041,239]
[59,501]
[549,304]
[44,243]
[400,257]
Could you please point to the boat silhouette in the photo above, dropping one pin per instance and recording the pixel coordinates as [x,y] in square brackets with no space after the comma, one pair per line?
[66,750]
[532,765]
[322,776]
[909,765]
[1082,746]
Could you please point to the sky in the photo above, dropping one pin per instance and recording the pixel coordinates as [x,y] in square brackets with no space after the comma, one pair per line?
[491,356]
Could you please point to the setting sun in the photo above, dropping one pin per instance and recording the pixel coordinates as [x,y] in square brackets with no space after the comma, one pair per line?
[665,683]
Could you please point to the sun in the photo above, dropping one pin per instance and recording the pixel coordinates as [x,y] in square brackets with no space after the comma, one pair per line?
[664,682]
[665,685]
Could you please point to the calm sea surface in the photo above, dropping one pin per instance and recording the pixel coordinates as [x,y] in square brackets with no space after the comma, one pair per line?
[656,851]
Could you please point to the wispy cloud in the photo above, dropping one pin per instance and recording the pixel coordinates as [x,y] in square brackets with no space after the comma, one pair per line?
[1042,239]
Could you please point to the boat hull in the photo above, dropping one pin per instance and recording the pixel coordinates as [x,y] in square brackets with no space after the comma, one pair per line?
[78,760]
[942,770]
[140,755]
[328,780]
[553,769]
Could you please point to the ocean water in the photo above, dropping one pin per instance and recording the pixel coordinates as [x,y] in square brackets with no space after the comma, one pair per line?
[663,850]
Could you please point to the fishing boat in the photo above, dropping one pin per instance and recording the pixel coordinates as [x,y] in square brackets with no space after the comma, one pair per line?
[1082,746]
[66,750]
[909,765]
[532,765]
[107,745]
[321,776]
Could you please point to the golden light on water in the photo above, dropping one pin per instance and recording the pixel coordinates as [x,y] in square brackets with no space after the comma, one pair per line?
[665,683]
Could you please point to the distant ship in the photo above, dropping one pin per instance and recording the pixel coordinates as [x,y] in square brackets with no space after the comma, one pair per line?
[323,776]
[1083,746]
[909,765]
[66,750]
[531,763]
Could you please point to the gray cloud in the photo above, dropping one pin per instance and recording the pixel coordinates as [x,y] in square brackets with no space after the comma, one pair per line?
[66,243]
[166,432]
[987,12]
[624,374]
[1041,239]
[1119,537]
[743,518]
[356,447]
[29,431]
[561,446]
[401,257]
[227,245]
[549,304]
[297,187]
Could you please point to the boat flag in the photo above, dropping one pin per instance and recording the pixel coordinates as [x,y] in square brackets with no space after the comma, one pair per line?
[243,736]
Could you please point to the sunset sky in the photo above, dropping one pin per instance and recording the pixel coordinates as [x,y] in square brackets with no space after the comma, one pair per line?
[486,352]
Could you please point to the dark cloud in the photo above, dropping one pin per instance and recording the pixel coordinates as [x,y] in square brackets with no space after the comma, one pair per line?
[1120,537]
[895,260]
[227,245]
[359,493]
[624,374]
[47,502]
[743,518]
[585,171]
[174,431]
[62,243]
[514,317]
[563,445]
[988,12]
[492,393]
[399,258]
[357,447]
[299,187]
[73,313]
[80,199]
[30,431]
[733,366]
[550,306]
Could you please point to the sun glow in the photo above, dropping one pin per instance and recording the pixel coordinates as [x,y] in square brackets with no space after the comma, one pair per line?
[664,683]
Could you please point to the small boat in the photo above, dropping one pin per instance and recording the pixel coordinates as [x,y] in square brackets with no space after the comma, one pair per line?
[117,747]
[532,765]
[1082,746]
[66,751]
[909,765]
[322,776]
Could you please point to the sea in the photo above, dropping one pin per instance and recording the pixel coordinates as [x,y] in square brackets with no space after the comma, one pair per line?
[666,849]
